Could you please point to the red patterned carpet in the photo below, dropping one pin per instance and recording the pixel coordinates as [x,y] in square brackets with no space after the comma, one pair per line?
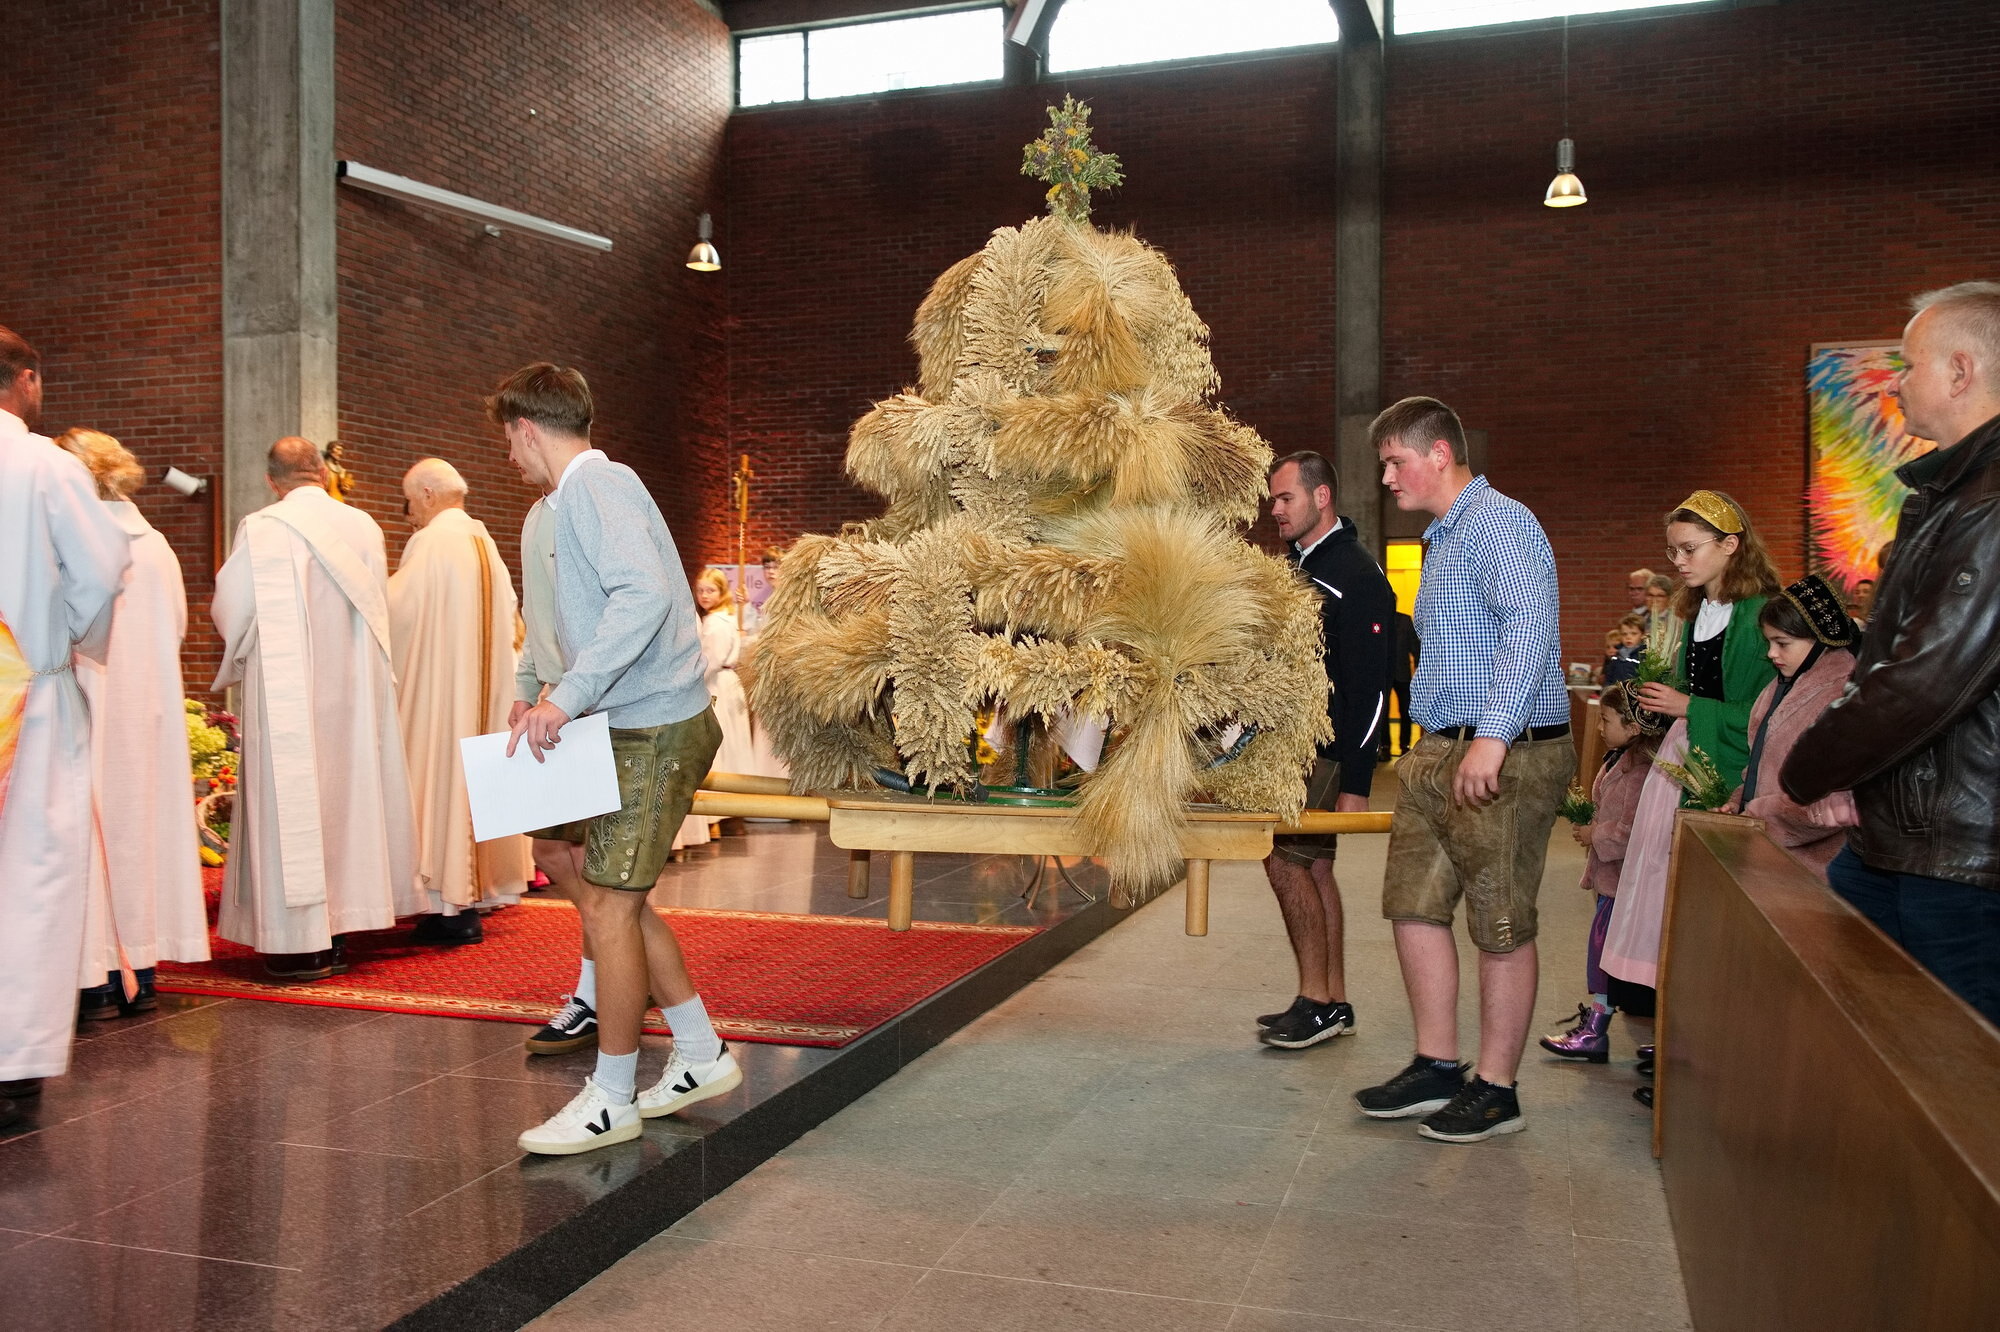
[781,979]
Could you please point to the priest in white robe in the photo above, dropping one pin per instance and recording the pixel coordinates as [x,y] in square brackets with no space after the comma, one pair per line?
[322,843]
[61,560]
[145,903]
[451,632]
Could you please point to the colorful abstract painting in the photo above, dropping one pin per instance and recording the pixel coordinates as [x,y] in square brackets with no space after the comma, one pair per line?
[1857,443]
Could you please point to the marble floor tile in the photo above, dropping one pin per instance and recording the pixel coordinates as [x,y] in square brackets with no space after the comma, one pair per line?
[1431,1274]
[953,1300]
[978,1143]
[1248,1319]
[1413,1181]
[730,1288]
[1622,1287]
[816,1205]
[1167,1158]
[54,1178]
[1188,1248]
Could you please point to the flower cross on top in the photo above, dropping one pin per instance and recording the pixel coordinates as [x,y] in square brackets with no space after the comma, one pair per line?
[1065,157]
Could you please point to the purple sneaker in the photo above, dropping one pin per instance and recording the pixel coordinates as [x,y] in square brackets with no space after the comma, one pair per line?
[1589,1039]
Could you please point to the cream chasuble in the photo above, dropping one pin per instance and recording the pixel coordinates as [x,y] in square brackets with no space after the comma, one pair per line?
[322,842]
[61,559]
[145,885]
[451,626]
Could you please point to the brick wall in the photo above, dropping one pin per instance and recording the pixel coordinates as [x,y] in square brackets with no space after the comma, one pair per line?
[112,268]
[843,214]
[607,117]
[1760,179]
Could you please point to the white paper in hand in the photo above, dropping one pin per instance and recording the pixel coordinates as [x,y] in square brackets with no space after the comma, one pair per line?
[576,780]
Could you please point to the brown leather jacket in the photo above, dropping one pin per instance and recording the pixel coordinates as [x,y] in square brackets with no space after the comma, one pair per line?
[1916,735]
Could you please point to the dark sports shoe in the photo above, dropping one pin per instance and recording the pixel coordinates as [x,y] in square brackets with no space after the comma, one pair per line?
[1272,1019]
[1481,1110]
[571,1029]
[1424,1086]
[1309,1025]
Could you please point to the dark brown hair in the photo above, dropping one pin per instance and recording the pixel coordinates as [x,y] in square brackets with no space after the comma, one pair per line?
[554,397]
[1614,697]
[1419,422]
[1314,471]
[15,356]
[1780,614]
[1750,573]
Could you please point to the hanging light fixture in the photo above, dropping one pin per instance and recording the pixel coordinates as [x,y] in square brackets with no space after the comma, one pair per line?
[703,258]
[1565,191]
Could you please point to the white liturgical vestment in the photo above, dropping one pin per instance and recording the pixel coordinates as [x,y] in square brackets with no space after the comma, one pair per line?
[61,559]
[322,841]
[145,901]
[451,627]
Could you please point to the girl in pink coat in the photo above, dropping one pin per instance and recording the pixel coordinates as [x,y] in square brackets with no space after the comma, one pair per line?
[1811,640]
[1629,743]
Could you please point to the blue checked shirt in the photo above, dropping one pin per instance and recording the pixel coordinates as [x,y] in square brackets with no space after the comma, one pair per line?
[1487,616]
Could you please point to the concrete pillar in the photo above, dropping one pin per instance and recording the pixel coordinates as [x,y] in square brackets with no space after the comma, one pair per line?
[1357,350]
[279,299]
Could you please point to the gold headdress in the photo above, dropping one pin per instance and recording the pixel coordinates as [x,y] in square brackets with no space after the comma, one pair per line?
[1716,511]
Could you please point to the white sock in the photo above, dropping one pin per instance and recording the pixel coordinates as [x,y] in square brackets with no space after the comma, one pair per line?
[586,983]
[694,1036]
[617,1076]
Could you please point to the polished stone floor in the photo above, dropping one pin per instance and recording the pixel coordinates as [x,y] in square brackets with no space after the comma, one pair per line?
[1109,1150]
[234,1164]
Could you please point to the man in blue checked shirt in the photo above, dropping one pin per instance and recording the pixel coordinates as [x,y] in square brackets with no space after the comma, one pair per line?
[1480,790]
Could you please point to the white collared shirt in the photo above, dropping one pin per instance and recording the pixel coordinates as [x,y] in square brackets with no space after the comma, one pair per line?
[1307,550]
[574,463]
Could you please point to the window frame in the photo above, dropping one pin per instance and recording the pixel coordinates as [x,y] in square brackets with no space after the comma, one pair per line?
[807,29]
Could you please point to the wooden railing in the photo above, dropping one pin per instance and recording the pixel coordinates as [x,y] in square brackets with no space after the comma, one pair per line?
[1828,1114]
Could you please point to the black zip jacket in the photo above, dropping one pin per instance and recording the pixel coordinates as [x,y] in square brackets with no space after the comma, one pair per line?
[1916,736]
[1357,610]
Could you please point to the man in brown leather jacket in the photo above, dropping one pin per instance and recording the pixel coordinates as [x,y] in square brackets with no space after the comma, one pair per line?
[1916,737]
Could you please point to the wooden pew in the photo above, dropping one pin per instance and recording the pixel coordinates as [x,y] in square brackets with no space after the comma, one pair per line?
[1828,1115]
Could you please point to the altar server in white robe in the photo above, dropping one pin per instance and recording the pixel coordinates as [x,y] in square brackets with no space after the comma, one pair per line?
[145,902]
[451,632]
[61,560]
[323,841]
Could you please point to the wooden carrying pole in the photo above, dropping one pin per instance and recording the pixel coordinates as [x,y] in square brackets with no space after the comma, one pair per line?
[741,480]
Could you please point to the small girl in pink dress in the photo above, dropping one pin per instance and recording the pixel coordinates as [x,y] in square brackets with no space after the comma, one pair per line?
[1629,747]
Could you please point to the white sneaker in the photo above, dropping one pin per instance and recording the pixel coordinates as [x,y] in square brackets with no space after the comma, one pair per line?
[589,1121]
[686,1082]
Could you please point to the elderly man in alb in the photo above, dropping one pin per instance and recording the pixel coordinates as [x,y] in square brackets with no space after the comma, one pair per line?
[451,632]
[61,560]
[145,903]
[323,842]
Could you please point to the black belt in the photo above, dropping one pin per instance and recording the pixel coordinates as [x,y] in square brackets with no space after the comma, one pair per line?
[1556,732]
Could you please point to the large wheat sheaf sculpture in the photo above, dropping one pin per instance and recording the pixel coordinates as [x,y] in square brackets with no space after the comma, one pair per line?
[1062,539]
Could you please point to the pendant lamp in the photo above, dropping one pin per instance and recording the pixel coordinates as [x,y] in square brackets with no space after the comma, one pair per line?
[703,258]
[1565,191]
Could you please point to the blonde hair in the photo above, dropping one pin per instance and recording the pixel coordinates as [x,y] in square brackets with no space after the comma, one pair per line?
[118,473]
[712,577]
[1750,573]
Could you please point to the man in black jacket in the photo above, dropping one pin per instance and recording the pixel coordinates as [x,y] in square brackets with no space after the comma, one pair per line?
[1916,736]
[1357,610]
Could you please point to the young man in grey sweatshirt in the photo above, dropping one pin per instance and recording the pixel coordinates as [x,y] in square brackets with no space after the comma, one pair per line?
[627,628]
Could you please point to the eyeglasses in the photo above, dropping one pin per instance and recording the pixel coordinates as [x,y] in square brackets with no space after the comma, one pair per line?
[1687,549]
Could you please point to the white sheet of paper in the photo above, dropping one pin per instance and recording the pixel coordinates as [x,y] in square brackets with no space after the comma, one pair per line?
[576,780]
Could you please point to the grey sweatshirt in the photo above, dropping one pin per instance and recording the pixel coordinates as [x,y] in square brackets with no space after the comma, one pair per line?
[625,618]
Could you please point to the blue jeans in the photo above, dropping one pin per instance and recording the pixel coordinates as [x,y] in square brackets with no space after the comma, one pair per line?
[1952,929]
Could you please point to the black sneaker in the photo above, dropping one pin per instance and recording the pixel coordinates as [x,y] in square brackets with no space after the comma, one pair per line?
[1481,1110]
[571,1029]
[1424,1086]
[1309,1025]
[1299,1002]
